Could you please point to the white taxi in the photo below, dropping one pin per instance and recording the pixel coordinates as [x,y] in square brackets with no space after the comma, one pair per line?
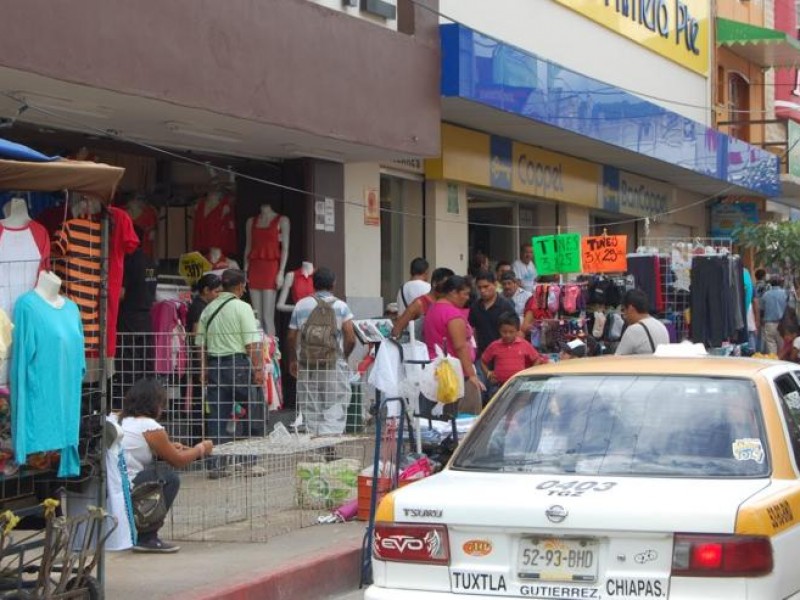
[618,478]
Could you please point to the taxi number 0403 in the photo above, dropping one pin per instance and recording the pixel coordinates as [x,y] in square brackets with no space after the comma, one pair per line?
[572,489]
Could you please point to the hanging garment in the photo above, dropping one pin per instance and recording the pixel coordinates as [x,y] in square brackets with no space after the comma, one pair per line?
[6,328]
[47,367]
[169,318]
[24,251]
[215,228]
[713,302]
[302,286]
[645,270]
[76,260]
[123,241]
[265,254]
[118,492]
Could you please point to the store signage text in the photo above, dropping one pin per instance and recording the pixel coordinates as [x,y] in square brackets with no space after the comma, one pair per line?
[633,195]
[675,29]
[540,176]
[656,16]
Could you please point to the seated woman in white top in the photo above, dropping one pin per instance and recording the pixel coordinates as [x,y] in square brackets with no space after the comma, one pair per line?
[144,439]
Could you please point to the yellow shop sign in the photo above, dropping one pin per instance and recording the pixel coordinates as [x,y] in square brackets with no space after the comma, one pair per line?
[496,162]
[675,29]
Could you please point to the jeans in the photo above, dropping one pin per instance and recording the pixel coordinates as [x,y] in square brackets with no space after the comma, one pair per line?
[229,384]
[172,484]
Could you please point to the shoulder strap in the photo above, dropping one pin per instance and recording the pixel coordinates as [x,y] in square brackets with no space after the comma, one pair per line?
[216,312]
[649,337]
[403,296]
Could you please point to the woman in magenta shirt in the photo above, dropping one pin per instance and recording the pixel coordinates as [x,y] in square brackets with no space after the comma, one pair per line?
[446,326]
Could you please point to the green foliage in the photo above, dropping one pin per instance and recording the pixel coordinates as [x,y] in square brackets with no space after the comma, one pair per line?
[776,245]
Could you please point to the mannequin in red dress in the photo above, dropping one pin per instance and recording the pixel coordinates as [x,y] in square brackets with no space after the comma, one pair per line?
[297,285]
[266,251]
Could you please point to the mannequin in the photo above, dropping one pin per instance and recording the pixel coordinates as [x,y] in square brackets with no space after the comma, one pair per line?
[215,221]
[305,271]
[16,212]
[48,287]
[220,262]
[24,251]
[144,216]
[266,252]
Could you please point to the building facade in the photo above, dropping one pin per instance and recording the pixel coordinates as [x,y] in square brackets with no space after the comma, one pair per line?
[327,101]
[563,115]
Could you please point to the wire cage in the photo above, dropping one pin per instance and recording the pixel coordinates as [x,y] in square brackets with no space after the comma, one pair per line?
[268,474]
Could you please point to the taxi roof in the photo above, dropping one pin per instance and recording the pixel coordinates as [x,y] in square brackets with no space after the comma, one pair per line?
[714,366]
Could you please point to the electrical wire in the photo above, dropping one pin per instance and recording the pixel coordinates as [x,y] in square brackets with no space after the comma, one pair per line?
[231,172]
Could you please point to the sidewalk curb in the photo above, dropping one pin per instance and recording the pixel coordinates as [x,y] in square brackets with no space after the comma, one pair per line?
[305,578]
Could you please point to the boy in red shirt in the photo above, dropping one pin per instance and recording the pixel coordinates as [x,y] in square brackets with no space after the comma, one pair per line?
[510,354]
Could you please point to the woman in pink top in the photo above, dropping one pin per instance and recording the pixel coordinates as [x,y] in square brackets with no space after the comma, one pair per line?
[446,326]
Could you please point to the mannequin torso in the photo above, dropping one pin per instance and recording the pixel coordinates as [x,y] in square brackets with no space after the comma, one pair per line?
[266,253]
[48,287]
[297,285]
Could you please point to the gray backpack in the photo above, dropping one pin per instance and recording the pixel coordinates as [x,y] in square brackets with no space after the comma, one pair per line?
[319,346]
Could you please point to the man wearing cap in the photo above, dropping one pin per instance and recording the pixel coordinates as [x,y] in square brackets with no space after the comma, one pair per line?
[232,359]
[573,349]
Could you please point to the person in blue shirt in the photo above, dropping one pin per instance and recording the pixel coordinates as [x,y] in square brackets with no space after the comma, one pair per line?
[773,304]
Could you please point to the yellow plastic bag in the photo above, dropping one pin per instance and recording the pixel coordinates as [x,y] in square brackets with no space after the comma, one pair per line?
[447,383]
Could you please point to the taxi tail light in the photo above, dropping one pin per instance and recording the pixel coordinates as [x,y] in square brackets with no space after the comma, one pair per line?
[399,542]
[721,556]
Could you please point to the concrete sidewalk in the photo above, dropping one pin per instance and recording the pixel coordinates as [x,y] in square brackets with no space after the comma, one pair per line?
[312,563]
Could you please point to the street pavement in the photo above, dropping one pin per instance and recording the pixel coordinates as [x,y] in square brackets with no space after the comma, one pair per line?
[312,563]
[357,595]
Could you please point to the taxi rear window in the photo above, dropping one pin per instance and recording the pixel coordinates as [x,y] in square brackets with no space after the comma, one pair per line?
[621,425]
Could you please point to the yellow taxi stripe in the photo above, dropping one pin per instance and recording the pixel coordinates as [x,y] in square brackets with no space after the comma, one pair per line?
[779,450]
[385,511]
[771,515]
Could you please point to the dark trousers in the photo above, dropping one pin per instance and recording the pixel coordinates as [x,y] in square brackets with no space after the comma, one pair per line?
[172,484]
[712,318]
[230,383]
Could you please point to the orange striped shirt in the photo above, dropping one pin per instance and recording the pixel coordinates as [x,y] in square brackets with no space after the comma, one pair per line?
[76,251]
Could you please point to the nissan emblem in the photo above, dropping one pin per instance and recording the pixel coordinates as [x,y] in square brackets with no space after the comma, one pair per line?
[556,513]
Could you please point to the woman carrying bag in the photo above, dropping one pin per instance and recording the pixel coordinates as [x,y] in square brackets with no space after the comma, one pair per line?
[153,487]
[446,326]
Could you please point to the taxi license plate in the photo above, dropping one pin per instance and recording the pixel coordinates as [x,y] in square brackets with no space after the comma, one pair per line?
[558,559]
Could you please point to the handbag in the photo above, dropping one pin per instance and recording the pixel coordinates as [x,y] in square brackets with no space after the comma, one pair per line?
[149,505]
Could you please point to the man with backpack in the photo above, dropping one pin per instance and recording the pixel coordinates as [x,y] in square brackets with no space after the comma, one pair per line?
[321,338]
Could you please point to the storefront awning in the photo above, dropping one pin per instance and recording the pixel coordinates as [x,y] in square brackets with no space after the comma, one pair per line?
[759,45]
[25,169]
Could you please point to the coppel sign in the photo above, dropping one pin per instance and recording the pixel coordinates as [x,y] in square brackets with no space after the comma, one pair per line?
[633,195]
[675,29]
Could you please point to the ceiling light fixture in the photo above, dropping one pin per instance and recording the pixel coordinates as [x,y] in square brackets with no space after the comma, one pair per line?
[216,135]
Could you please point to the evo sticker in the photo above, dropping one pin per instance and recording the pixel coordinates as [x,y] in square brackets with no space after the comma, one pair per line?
[478,583]
[748,449]
[634,587]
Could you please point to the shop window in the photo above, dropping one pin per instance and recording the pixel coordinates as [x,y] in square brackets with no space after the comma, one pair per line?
[401,231]
[739,106]
[490,230]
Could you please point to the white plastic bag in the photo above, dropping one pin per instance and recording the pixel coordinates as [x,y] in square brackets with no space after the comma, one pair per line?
[428,384]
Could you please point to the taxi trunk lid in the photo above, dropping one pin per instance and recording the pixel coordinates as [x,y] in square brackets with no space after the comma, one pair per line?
[557,536]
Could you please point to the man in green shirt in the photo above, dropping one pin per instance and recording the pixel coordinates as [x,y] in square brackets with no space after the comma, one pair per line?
[232,359]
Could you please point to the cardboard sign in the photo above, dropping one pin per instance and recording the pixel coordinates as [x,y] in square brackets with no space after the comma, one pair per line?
[556,254]
[191,267]
[605,253]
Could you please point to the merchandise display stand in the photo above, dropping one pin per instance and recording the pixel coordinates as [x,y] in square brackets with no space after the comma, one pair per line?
[24,169]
